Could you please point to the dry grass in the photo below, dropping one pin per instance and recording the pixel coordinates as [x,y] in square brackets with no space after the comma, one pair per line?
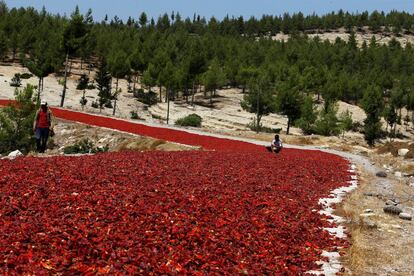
[377,248]
[393,147]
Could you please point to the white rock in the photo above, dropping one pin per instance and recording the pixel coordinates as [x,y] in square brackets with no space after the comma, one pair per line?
[403,152]
[368,211]
[405,216]
[398,174]
[15,154]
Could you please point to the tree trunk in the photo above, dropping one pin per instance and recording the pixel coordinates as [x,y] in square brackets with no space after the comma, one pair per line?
[135,82]
[258,118]
[168,105]
[244,89]
[115,96]
[83,99]
[81,64]
[64,82]
[160,94]
[38,89]
[193,93]
[70,67]
[288,126]
[43,83]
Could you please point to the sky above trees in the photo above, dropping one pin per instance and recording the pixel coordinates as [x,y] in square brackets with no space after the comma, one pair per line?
[217,8]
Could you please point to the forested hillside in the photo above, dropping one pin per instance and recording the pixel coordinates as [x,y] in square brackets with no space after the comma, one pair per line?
[182,55]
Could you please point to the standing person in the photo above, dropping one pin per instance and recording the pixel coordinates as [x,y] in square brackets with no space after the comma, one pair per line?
[42,127]
[276,145]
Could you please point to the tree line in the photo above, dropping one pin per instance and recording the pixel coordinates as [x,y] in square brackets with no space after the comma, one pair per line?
[181,57]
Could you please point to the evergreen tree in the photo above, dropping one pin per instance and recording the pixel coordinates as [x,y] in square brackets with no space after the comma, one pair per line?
[308,116]
[288,102]
[373,104]
[75,37]
[214,78]
[83,85]
[260,99]
[16,123]
[119,68]
[390,115]
[103,80]
[327,123]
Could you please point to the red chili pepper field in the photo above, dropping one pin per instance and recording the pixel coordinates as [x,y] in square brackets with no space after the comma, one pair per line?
[232,209]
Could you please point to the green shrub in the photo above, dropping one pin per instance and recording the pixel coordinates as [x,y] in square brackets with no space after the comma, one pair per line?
[16,81]
[327,124]
[84,146]
[83,82]
[83,101]
[90,86]
[108,104]
[95,104]
[26,76]
[149,98]
[345,120]
[191,120]
[134,115]
[16,123]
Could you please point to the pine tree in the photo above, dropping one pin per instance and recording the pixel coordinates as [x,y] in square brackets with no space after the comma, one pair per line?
[213,79]
[260,99]
[308,116]
[103,80]
[16,123]
[75,37]
[288,103]
[119,67]
[373,104]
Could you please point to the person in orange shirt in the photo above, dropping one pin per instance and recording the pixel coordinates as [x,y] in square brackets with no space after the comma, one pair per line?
[42,127]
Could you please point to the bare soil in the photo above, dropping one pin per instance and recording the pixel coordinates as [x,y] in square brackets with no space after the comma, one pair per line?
[68,134]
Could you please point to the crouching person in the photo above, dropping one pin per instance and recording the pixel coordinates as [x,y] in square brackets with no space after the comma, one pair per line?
[276,145]
[43,127]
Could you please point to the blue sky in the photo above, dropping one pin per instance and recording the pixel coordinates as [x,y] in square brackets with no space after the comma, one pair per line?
[208,8]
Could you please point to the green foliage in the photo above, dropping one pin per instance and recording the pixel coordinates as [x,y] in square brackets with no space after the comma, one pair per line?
[16,81]
[260,99]
[308,116]
[327,123]
[95,104]
[214,78]
[134,115]
[345,121]
[83,82]
[16,123]
[84,146]
[103,80]
[192,120]
[373,104]
[25,76]
[149,98]
[76,32]
[288,102]
[180,55]
[83,101]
